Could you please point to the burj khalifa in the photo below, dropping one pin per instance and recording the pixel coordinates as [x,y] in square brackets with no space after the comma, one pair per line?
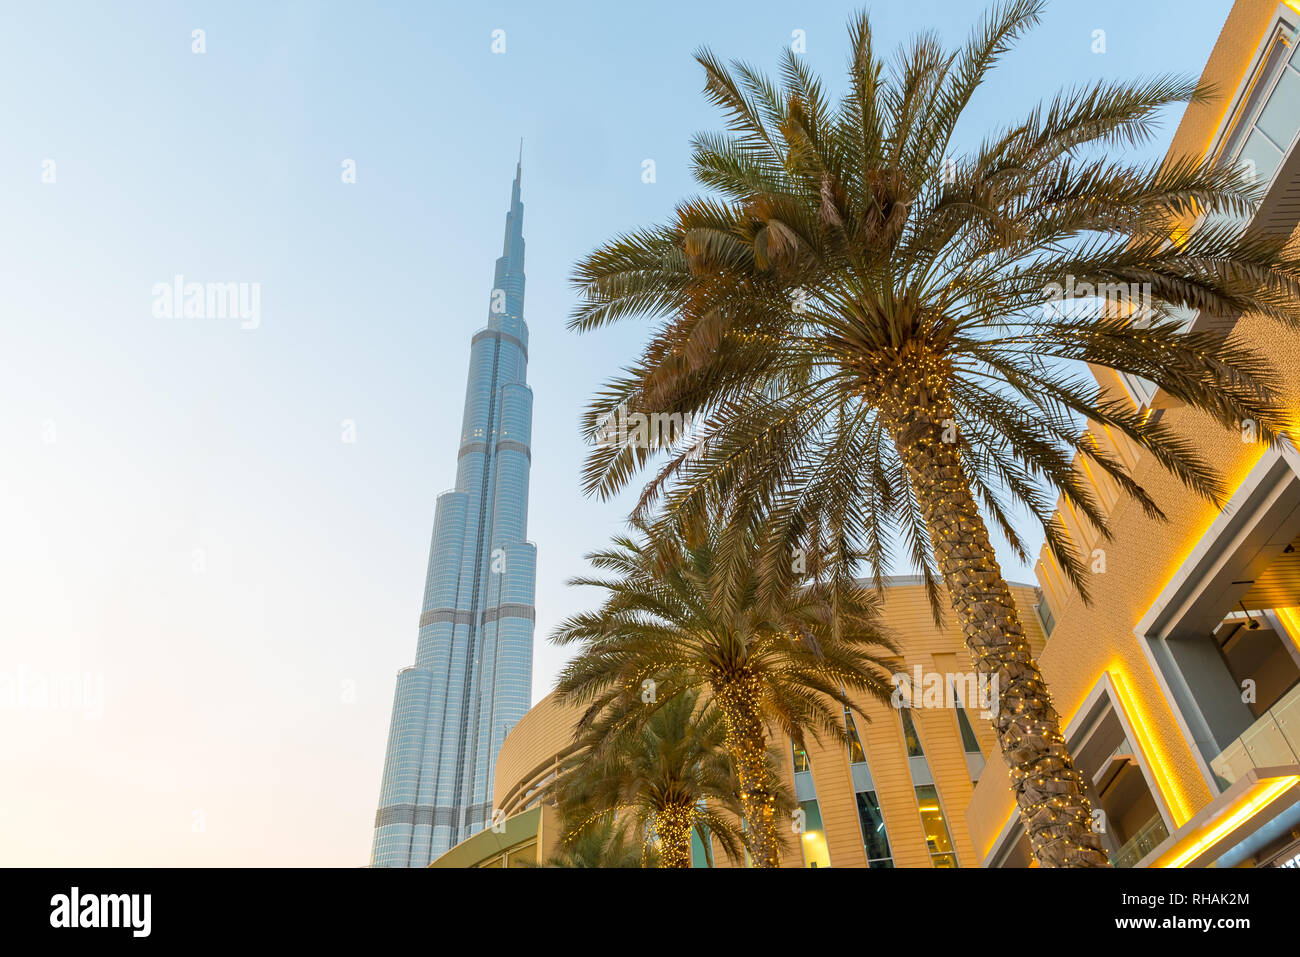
[472,675]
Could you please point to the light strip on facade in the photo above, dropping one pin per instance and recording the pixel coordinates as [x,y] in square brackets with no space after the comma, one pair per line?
[1290,618]
[1250,804]
[1224,123]
[1083,460]
[1004,829]
[1155,757]
[1121,452]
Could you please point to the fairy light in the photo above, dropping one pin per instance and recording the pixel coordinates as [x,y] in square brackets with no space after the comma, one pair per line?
[739,697]
[672,826]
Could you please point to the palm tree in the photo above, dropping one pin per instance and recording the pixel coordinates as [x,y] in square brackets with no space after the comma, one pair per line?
[856,323]
[682,616]
[670,775]
[600,843]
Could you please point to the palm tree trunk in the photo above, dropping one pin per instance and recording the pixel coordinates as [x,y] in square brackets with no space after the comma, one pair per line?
[673,825]
[747,744]
[1049,790]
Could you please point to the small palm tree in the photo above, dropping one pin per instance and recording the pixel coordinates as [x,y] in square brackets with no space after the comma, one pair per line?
[683,616]
[600,843]
[669,774]
[857,319]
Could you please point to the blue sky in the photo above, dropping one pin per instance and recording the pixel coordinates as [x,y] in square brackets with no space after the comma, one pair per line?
[181,516]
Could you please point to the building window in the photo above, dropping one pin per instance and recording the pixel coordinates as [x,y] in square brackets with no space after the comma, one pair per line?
[874,837]
[969,743]
[1258,137]
[1224,635]
[875,840]
[937,838]
[910,736]
[801,762]
[1264,127]
[1044,611]
[701,847]
[523,854]
[856,754]
[813,840]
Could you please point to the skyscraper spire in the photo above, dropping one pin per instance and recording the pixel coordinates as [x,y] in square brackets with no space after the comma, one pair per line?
[472,677]
[509,278]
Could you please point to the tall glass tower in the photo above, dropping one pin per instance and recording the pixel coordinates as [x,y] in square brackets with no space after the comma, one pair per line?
[472,675]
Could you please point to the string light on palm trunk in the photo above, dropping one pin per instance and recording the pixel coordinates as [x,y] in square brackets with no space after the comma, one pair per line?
[1049,790]
[739,697]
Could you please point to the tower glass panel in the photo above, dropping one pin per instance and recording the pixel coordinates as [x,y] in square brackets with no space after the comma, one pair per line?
[472,677]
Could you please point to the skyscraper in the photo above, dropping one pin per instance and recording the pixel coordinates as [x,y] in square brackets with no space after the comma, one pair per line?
[472,675]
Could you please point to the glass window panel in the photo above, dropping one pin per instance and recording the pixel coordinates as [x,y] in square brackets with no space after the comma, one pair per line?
[525,856]
[937,838]
[801,762]
[1142,390]
[874,837]
[699,851]
[970,744]
[1280,117]
[813,839]
[1263,154]
[914,749]
[1268,68]
[856,754]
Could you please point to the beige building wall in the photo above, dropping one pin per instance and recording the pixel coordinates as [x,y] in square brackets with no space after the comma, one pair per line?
[532,752]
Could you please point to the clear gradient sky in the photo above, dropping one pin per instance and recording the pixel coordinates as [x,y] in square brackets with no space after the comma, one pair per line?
[179,513]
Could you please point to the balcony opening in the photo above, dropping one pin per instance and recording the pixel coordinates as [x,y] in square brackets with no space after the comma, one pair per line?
[1129,823]
[1224,635]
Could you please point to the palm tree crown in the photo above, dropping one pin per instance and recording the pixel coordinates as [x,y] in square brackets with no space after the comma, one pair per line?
[601,843]
[683,616]
[856,271]
[669,775]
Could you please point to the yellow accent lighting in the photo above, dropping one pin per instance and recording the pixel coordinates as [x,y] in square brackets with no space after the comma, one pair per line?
[1290,618]
[1250,804]
[1155,757]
